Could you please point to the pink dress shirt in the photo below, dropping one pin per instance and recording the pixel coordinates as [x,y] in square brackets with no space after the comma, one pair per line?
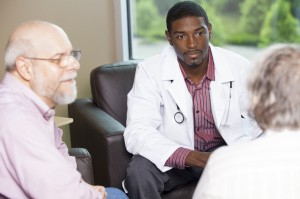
[207,137]
[34,161]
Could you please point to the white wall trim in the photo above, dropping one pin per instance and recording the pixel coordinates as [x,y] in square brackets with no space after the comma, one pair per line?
[121,30]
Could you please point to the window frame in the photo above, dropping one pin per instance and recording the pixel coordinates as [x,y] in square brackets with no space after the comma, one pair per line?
[122,35]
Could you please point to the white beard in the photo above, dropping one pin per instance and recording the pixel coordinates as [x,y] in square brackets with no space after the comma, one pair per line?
[55,91]
[65,98]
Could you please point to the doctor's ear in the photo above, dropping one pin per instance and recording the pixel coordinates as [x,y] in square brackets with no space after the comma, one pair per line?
[168,37]
[209,30]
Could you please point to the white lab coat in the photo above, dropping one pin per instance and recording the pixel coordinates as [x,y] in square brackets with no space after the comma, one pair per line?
[159,87]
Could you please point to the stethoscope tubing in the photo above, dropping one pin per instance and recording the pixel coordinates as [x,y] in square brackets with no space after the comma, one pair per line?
[179,117]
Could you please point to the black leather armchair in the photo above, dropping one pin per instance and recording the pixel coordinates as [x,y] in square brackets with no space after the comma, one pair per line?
[99,125]
[84,163]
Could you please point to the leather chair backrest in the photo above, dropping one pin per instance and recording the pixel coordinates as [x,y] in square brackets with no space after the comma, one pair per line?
[110,85]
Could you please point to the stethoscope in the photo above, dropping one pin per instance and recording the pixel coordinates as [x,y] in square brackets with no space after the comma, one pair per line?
[178,116]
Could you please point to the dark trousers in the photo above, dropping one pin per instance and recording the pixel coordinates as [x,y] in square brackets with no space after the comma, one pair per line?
[145,181]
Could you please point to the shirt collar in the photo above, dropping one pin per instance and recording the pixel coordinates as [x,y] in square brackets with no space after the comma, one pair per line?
[12,83]
[210,74]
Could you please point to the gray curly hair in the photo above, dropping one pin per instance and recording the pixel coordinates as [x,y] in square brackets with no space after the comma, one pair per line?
[275,89]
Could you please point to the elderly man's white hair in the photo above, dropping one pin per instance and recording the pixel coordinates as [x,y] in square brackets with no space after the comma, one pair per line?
[21,41]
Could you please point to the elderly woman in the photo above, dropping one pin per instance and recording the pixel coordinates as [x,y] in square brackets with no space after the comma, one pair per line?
[268,167]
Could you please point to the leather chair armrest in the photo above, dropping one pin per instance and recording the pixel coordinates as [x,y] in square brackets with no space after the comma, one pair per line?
[84,163]
[102,136]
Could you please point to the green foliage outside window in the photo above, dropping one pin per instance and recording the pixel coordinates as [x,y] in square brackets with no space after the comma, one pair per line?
[251,21]
[149,23]
[241,22]
[284,29]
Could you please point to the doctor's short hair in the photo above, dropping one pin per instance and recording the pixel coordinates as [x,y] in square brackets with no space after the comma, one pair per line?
[185,9]
[275,90]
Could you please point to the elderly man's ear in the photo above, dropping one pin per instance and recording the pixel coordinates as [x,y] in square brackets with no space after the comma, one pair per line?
[24,68]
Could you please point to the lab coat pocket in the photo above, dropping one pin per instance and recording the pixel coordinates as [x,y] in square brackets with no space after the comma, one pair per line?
[232,114]
[225,105]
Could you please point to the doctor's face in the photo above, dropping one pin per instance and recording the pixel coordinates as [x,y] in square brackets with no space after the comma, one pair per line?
[190,38]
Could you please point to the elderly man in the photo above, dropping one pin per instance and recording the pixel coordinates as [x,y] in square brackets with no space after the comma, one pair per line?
[268,167]
[41,67]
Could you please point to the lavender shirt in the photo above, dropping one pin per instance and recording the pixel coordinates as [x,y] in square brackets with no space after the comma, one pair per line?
[34,161]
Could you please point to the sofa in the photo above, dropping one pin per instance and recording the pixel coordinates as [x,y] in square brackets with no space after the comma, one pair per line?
[99,124]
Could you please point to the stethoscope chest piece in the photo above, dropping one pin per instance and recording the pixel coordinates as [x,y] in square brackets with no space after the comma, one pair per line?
[178,117]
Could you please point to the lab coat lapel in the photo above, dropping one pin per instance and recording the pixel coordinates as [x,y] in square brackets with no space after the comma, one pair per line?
[175,84]
[181,96]
[219,89]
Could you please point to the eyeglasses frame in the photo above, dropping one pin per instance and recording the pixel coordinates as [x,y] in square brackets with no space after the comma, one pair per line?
[58,60]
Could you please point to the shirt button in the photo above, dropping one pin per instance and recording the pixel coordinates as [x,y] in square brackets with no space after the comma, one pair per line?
[49,114]
[197,111]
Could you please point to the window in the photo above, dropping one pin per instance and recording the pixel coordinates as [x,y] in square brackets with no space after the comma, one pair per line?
[243,26]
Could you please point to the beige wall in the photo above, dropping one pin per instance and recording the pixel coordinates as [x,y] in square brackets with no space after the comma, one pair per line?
[89,24]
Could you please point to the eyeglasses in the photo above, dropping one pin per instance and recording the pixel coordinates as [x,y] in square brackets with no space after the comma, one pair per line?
[64,59]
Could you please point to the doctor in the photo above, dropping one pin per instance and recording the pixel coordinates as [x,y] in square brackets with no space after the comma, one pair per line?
[185,102]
